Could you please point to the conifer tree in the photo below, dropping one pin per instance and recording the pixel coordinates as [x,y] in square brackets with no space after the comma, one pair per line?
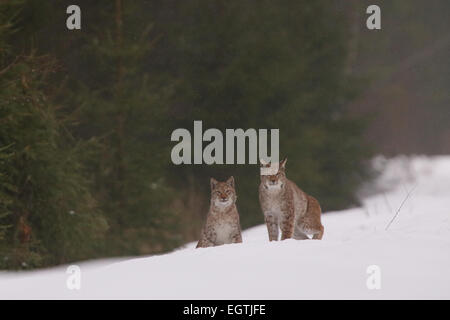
[48,214]
[122,106]
[137,70]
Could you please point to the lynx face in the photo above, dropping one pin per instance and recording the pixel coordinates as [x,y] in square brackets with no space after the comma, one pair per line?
[276,181]
[223,194]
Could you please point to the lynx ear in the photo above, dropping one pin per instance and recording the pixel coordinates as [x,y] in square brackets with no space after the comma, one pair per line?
[214,183]
[283,164]
[230,181]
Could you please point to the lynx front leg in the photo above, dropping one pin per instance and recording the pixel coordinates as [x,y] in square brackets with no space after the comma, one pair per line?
[272,226]
[237,237]
[205,243]
[207,240]
[287,226]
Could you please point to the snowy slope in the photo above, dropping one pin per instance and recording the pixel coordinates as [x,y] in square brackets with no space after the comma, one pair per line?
[413,254]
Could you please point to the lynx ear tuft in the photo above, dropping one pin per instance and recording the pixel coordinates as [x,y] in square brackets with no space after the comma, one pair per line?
[214,183]
[283,163]
[230,181]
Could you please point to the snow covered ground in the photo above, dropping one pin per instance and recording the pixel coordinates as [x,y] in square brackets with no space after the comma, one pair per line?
[413,255]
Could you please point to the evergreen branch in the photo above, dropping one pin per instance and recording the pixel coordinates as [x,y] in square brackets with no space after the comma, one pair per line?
[4,70]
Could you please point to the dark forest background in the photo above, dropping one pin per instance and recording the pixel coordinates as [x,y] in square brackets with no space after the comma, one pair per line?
[86,115]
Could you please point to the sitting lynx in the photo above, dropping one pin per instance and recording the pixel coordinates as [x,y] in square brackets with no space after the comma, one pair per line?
[222,223]
[285,205]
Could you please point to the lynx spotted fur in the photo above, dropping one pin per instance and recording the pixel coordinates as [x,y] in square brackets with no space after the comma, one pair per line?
[287,207]
[222,223]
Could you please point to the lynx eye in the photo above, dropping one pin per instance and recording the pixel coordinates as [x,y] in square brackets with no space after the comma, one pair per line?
[228,191]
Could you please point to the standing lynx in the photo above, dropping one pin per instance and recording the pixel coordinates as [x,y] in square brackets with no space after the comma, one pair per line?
[222,223]
[287,207]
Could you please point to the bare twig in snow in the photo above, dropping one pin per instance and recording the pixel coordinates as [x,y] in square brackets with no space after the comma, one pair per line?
[398,210]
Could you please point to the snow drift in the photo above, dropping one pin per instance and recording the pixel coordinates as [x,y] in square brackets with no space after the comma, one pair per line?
[413,254]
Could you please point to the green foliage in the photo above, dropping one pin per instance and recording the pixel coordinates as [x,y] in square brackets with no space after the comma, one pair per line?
[6,189]
[48,214]
[86,146]
[125,110]
[241,65]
